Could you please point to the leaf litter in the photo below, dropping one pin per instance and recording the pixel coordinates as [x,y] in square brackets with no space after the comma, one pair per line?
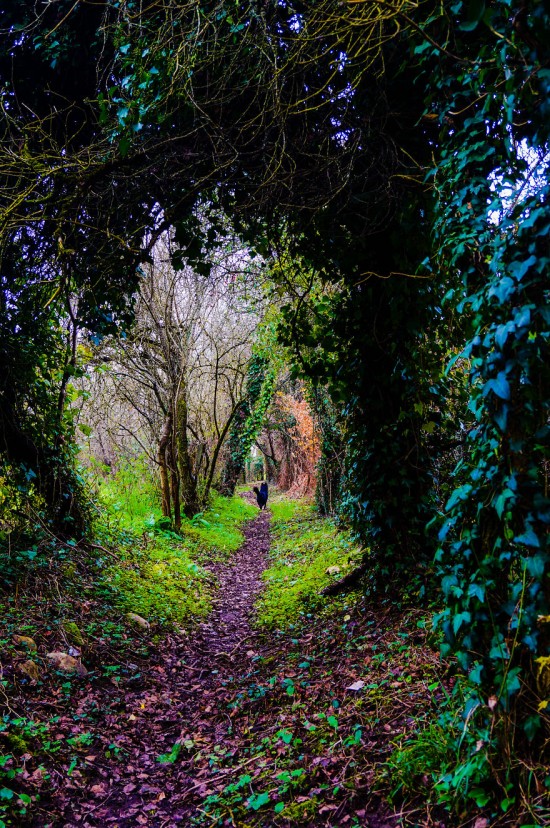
[225,725]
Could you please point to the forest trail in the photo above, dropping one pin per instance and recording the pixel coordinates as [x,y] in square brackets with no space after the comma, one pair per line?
[175,711]
[228,626]
[225,725]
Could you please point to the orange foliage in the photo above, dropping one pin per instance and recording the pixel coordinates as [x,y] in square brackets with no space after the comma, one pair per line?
[298,471]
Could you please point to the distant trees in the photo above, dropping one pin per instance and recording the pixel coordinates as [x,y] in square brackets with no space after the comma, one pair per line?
[290,440]
[179,372]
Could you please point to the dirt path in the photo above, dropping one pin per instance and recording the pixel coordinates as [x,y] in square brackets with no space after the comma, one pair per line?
[253,730]
[178,710]
[229,624]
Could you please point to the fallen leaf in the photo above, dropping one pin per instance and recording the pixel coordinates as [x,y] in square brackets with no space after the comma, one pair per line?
[98,790]
[357,685]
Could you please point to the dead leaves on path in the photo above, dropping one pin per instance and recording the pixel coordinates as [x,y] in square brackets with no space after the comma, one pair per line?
[224,727]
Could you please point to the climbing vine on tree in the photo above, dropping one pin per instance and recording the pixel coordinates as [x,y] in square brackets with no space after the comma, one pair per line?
[249,419]
[492,231]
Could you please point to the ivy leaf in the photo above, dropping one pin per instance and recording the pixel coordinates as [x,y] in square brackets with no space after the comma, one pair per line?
[460,619]
[475,674]
[458,495]
[477,591]
[535,566]
[170,758]
[519,269]
[499,386]
[529,538]
[476,10]
[124,146]
[523,316]
[501,417]
[255,802]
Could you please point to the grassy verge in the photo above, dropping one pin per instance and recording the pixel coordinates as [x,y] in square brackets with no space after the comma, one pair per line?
[307,554]
[161,574]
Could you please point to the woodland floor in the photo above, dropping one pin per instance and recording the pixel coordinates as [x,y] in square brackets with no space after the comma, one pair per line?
[184,697]
[225,725]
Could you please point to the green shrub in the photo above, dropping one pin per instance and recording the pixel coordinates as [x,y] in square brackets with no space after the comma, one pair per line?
[131,495]
[450,756]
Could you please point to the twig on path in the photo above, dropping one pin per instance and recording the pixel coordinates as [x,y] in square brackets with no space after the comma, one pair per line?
[234,650]
[100,804]
[208,816]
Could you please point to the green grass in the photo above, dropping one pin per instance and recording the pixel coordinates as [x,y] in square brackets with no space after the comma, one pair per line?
[161,574]
[160,581]
[284,510]
[304,547]
[218,529]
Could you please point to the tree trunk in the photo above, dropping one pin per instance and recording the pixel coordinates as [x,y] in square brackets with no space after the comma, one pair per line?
[174,482]
[164,441]
[188,482]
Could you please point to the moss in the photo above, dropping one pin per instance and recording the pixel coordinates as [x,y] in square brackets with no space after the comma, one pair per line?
[162,575]
[295,811]
[73,633]
[307,554]
[15,743]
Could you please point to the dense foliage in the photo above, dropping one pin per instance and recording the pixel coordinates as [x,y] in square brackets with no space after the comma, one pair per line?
[492,229]
[248,419]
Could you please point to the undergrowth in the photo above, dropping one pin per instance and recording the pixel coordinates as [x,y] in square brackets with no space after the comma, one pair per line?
[452,759]
[445,756]
[313,720]
[159,573]
[307,554]
[72,597]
